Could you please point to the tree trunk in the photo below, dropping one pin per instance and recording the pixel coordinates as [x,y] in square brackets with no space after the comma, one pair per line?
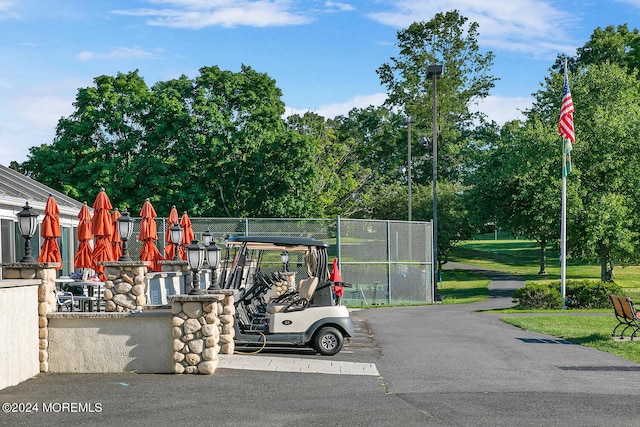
[606,265]
[543,256]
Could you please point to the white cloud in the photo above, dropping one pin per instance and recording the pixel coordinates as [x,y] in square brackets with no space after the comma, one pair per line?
[118,53]
[6,10]
[343,108]
[634,3]
[197,14]
[28,117]
[342,7]
[532,26]
[502,109]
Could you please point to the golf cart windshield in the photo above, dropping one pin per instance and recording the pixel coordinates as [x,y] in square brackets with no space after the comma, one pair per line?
[306,257]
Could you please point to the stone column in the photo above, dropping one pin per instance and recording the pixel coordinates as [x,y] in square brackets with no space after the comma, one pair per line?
[202,327]
[126,286]
[46,272]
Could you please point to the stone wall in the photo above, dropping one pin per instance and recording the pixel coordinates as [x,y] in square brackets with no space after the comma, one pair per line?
[203,325]
[126,286]
[186,339]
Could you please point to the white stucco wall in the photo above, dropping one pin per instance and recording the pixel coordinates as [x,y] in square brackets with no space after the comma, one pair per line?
[19,352]
[111,342]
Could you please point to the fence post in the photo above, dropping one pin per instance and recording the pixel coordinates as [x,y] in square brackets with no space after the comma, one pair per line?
[389,261]
[338,252]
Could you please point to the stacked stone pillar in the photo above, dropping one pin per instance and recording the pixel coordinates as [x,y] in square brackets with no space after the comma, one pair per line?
[126,285]
[46,272]
[203,325]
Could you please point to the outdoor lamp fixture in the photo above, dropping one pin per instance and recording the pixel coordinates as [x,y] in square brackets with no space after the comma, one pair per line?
[195,259]
[213,259]
[175,233]
[433,72]
[409,121]
[27,223]
[284,257]
[125,230]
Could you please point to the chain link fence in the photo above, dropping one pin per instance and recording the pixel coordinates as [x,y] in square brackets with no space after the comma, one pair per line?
[386,262]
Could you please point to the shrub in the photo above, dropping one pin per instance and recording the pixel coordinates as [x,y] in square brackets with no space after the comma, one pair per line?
[539,296]
[580,294]
[590,294]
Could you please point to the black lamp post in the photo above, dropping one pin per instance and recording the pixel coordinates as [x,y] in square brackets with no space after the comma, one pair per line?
[213,258]
[284,257]
[409,121]
[27,223]
[433,72]
[195,259]
[125,230]
[175,233]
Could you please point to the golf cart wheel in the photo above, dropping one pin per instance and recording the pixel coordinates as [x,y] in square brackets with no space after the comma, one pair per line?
[328,341]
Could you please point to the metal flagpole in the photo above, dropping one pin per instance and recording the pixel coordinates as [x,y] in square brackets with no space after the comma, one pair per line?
[565,129]
[563,233]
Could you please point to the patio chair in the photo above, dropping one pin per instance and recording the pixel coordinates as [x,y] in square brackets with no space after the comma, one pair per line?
[64,299]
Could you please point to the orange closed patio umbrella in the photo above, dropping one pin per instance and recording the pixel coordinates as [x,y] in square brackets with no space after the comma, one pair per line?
[84,253]
[170,248]
[50,231]
[116,242]
[336,278]
[102,229]
[187,234]
[148,235]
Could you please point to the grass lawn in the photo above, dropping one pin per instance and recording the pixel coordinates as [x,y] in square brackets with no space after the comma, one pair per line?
[462,286]
[590,331]
[521,257]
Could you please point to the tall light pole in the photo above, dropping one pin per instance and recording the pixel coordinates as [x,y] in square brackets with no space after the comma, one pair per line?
[433,72]
[409,121]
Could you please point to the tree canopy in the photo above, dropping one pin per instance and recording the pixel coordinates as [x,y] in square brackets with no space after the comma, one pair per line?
[218,145]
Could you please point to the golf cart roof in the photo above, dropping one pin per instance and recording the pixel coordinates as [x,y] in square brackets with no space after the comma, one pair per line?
[290,243]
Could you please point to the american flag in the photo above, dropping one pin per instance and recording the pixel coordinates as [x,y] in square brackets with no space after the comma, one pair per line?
[565,125]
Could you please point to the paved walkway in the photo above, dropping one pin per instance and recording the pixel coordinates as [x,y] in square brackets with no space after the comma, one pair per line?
[296,364]
[463,367]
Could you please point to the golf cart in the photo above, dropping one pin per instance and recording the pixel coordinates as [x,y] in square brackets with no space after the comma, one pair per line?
[273,306]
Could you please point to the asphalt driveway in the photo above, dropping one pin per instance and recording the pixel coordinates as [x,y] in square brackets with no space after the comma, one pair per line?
[440,365]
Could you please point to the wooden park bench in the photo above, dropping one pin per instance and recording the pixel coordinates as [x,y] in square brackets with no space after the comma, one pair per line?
[626,314]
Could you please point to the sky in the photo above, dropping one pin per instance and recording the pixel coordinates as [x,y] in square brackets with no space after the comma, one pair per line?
[322,54]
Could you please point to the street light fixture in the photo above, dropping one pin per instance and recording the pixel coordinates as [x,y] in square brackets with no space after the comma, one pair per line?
[27,223]
[125,230]
[409,121]
[195,259]
[433,72]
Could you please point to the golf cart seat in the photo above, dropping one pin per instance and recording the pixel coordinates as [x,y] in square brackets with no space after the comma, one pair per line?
[298,300]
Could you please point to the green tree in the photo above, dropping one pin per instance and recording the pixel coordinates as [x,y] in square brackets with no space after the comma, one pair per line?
[447,39]
[607,110]
[215,145]
[616,45]
[375,154]
[517,185]
[97,144]
[607,106]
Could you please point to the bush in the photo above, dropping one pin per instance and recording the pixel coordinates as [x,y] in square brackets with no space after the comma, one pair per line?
[590,294]
[539,296]
[580,294]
